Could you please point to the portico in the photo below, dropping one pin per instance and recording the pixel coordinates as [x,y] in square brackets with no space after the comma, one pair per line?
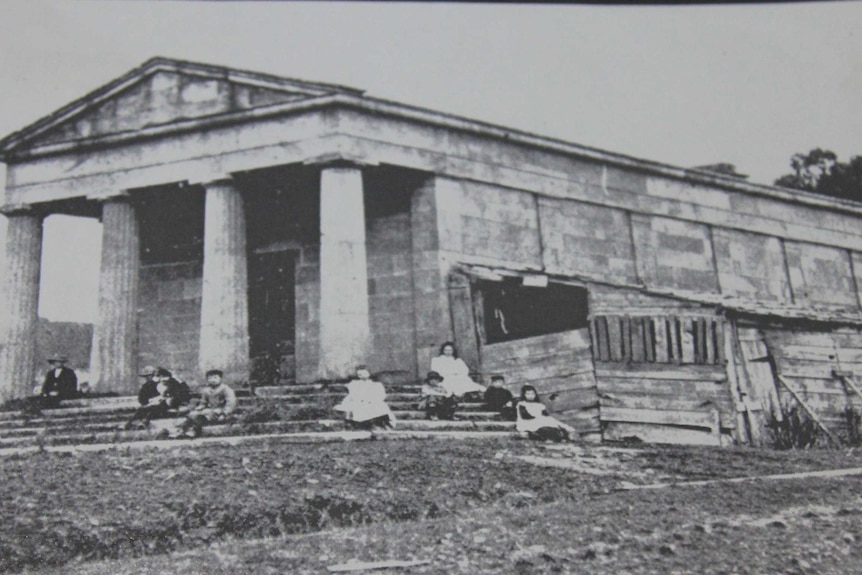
[174,286]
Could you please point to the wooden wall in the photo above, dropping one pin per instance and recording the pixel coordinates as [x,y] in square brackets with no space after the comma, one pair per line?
[662,379]
[559,366]
[806,358]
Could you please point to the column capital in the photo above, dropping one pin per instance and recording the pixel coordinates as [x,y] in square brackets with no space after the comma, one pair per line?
[119,196]
[21,209]
[222,181]
[339,160]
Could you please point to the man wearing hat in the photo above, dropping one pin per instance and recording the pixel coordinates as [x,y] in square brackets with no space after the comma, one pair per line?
[159,394]
[60,382]
[217,403]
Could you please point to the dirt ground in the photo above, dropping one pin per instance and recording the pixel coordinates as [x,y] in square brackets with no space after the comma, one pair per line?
[479,506]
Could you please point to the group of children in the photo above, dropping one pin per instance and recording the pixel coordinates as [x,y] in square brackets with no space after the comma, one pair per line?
[163,397]
[446,384]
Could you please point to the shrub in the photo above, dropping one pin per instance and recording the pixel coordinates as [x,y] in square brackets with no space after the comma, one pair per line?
[796,431]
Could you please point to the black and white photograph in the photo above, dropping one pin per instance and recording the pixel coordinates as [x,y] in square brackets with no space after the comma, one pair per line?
[430,288]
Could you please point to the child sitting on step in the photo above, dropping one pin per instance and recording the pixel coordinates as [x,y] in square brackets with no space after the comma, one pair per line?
[365,405]
[437,401]
[217,403]
[535,422]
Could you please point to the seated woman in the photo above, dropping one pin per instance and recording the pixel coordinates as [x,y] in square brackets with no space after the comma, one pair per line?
[437,401]
[534,421]
[455,373]
[365,405]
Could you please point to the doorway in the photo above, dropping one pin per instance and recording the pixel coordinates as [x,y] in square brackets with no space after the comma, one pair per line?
[271,310]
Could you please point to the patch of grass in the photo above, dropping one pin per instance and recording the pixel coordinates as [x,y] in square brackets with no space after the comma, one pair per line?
[806,526]
[124,504]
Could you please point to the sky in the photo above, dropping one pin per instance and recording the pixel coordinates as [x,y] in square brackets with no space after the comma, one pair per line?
[684,85]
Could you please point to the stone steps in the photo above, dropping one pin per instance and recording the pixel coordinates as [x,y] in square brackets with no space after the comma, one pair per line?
[88,421]
[117,436]
[54,427]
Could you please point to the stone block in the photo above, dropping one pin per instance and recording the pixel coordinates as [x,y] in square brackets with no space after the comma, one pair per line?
[170,290]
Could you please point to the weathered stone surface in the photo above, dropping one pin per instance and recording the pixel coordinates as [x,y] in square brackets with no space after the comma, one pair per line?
[224,294]
[584,238]
[390,293]
[751,265]
[113,362]
[20,302]
[674,254]
[820,274]
[169,320]
[345,335]
[430,268]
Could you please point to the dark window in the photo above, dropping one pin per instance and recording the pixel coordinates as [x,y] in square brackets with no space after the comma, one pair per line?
[513,311]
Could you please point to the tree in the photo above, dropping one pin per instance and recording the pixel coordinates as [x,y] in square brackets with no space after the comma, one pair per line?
[819,171]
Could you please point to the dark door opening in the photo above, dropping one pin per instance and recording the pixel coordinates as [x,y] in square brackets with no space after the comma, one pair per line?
[271,297]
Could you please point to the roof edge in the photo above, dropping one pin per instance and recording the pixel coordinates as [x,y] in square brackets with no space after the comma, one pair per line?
[356,99]
[161,63]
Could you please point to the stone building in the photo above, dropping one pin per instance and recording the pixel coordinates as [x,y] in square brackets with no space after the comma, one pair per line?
[284,229]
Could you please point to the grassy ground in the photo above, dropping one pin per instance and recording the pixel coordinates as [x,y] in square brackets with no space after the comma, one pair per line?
[484,506]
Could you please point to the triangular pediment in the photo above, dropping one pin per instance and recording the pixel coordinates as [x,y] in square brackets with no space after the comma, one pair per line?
[159,93]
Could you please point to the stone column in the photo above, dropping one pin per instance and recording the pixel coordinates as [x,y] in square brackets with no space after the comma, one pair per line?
[113,360]
[20,304]
[224,300]
[344,318]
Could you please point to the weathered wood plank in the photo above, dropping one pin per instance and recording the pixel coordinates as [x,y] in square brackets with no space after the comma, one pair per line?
[661,340]
[594,338]
[649,339]
[584,421]
[806,368]
[626,333]
[573,339]
[547,371]
[555,383]
[551,358]
[637,334]
[619,431]
[822,354]
[720,349]
[700,354]
[695,390]
[744,432]
[675,353]
[705,419]
[815,339]
[604,346]
[669,402]
[615,338]
[709,341]
[687,339]
[659,371]
[811,385]
[571,399]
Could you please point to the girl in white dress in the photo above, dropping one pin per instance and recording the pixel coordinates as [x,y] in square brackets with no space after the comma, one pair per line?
[534,420]
[456,374]
[365,405]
